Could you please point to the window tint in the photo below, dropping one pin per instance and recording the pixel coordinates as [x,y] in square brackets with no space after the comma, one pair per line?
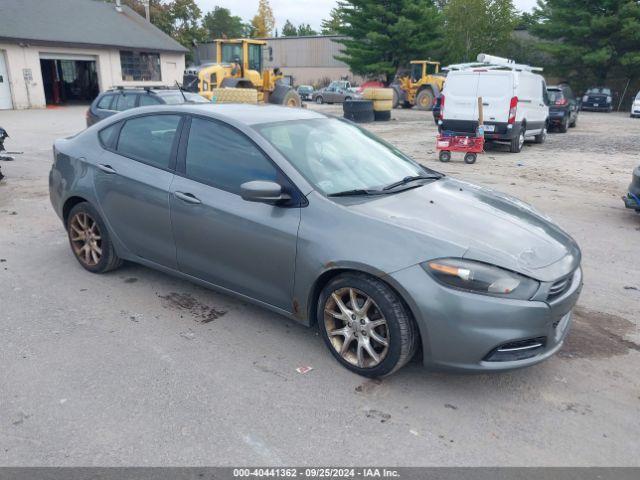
[105,102]
[125,101]
[108,135]
[149,138]
[224,158]
[147,99]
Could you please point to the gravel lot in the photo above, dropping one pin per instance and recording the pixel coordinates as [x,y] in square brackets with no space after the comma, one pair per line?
[138,368]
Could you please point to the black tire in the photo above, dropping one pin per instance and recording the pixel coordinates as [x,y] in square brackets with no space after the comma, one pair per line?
[285,95]
[396,99]
[319,100]
[359,111]
[382,116]
[470,158]
[444,155]
[542,136]
[424,100]
[109,260]
[406,104]
[401,328]
[564,126]
[574,123]
[517,142]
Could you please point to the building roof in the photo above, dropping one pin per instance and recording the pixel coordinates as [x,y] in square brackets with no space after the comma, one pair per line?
[87,23]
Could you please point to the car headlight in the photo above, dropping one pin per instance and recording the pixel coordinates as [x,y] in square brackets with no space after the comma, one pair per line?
[585,98]
[609,99]
[481,278]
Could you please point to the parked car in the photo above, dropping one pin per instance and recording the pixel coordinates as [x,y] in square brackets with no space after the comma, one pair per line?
[563,107]
[632,199]
[635,106]
[337,92]
[515,102]
[597,99]
[317,219]
[117,100]
[305,92]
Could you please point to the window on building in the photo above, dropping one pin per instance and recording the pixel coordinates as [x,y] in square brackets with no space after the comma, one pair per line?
[140,66]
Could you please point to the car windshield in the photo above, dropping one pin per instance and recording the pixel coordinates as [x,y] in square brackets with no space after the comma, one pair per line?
[305,89]
[638,96]
[336,156]
[554,94]
[176,98]
[603,91]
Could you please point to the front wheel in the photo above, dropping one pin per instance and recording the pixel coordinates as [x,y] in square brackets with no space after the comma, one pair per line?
[365,325]
[424,100]
[89,239]
[470,158]
[319,100]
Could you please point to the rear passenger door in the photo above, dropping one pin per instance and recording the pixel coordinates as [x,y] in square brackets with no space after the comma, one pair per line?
[245,247]
[132,181]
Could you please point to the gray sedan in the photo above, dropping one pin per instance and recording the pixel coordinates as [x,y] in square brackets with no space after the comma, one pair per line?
[319,220]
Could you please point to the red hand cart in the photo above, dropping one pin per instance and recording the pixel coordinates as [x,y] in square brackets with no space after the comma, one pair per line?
[451,142]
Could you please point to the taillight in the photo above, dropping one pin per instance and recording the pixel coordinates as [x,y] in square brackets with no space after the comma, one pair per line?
[441,107]
[513,107]
[562,101]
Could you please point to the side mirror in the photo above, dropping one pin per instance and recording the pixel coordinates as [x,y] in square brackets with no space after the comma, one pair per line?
[263,191]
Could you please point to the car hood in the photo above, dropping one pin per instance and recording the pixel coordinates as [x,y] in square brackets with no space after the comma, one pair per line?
[490,226]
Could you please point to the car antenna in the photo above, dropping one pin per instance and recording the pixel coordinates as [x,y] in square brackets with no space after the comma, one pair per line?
[181,91]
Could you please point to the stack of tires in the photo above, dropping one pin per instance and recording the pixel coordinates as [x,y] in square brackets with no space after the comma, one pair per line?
[234,95]
[382,99]
[359,111]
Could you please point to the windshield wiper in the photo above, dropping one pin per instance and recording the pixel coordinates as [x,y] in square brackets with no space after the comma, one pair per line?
[355,192]
[410,179]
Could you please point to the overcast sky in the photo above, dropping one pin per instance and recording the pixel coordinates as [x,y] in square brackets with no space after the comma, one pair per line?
[298,11]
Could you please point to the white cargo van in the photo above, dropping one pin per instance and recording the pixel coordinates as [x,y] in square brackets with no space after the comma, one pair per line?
[514,101]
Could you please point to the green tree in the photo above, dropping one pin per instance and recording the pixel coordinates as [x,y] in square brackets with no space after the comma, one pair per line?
[305,30]
[477,26]
[331,25]
[385,34]
[263,22]
[219,23]
[590,40]
[289,29]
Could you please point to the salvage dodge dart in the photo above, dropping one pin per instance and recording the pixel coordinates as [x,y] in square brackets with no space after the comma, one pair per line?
[317,219]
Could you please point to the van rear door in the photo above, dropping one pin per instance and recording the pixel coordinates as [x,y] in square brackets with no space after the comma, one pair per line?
[460,99]
[496,90]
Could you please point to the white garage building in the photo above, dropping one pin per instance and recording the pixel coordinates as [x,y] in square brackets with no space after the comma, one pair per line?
[56,52]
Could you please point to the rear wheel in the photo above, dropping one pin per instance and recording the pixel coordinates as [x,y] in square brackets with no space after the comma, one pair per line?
[424,100]
[319,100]
[574,123]
[90,241]
[365,325]
[284,95]
[518,141]
[564,126]
[470,158]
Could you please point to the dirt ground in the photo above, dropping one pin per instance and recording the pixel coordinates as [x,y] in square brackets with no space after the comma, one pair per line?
[139,368]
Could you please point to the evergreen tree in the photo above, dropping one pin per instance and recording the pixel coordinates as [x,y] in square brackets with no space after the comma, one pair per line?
[289,29]
[305,30]
[331,25]
[264,22]
[386,34]
[219,23]
[590,40]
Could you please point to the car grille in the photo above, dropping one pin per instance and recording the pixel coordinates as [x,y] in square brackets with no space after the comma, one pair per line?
[559,287]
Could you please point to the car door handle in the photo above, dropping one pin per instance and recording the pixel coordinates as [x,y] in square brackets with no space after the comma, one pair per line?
[107,168]
[187,197]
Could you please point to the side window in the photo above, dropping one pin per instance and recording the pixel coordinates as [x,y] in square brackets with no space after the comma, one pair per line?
[149,139]
[147,99]
[125,101]
[108,135]
[105,102]
[224,158]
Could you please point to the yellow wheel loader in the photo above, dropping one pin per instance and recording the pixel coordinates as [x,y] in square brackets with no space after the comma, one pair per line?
[420,87]
[239,64]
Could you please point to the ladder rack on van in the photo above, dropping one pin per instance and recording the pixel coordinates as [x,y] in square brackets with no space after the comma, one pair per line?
[489,62]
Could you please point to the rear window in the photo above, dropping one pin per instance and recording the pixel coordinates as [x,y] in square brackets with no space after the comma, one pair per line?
[554,94]
[105,102]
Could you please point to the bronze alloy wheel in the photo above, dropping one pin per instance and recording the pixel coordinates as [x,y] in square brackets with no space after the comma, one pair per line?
[86,239]
[356,327]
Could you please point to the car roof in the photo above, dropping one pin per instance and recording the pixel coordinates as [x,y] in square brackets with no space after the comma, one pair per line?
[248,114]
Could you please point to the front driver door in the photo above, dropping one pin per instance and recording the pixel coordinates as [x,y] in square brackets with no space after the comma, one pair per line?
[246,247]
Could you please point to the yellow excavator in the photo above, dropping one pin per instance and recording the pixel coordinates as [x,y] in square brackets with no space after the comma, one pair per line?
[239,64]
[420,87]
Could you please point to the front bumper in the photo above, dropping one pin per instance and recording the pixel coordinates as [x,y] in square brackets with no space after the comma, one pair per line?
[463,331]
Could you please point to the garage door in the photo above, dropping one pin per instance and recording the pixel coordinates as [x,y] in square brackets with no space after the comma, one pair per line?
[5,89]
